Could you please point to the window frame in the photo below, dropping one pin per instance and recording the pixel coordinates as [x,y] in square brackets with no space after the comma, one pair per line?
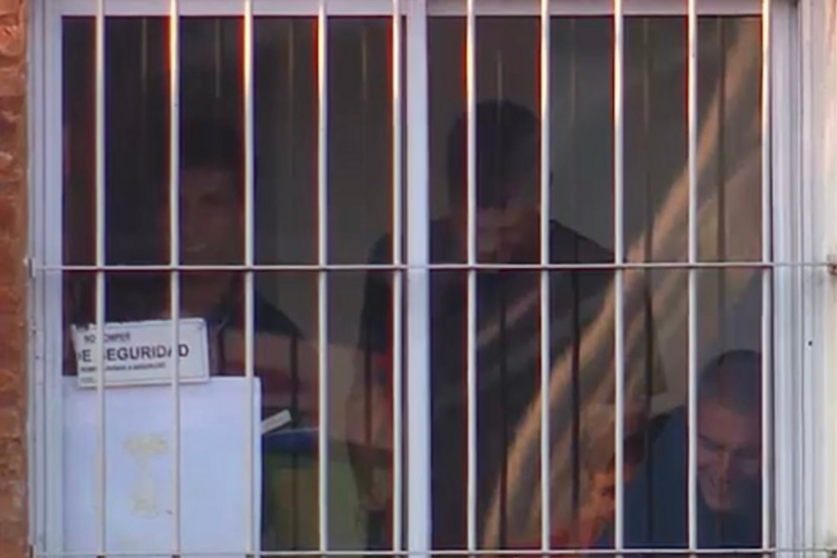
[803,235]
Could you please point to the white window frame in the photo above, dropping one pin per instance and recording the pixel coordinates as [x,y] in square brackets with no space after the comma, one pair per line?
[804,174]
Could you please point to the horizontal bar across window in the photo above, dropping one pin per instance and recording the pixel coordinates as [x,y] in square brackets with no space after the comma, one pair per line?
[344,8]
[348,8]
[593,7]
[458,553]
[296,268]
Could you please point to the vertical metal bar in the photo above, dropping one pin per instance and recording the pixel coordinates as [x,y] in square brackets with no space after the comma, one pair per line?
[471,365]
[692,54]
[101,224]
[546,520]
[397,291]
[619,255]
[39,323]
[174,255]
[322,258]
[51,289]
[419,494]
[249,278]
[766,256]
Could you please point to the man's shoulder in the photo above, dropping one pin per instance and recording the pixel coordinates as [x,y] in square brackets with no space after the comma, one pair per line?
[568,246]
[270,319]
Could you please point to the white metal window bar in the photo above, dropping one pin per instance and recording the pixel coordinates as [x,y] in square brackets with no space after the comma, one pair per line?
[545,364]
[397,278]
[692,371]
[174,255]
[619,274]
[767,278]
[100,275]
[416,266]
[322,277]
[471,257]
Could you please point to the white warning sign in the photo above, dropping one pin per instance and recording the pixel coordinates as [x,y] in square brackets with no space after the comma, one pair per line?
[142,353]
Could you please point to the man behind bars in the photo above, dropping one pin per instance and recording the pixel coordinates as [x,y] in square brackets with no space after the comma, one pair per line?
[507,338]
[728,466]
[212,229]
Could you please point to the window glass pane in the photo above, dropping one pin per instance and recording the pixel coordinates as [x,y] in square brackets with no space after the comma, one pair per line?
[729,144]
[581,131]
[360,136]
[212,225]
[508,303]
[136,116]
[728,430]
[582,302]
[285,124]
[656,138]
[729,152]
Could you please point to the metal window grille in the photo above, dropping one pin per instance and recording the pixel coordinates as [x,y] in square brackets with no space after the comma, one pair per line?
[410,268]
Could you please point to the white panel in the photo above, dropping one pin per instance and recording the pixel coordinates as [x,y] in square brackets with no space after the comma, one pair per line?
[140,477]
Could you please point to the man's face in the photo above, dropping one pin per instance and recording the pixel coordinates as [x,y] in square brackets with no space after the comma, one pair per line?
[503,233]
[211,219]
[728,456]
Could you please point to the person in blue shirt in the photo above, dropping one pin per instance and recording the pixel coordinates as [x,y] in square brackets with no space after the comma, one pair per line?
[729,467]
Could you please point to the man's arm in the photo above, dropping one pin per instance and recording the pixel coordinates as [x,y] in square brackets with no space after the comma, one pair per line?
[368,419]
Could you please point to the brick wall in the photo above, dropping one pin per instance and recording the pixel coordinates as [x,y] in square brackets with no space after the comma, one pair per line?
[13,498]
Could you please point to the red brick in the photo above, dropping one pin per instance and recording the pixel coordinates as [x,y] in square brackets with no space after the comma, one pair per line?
[12,501]
[6,161]
[10,214]
[11,252]
[12,355]
[10,423]
[9,7]
[13,165]
[11,297]
[12,40]
[12,80]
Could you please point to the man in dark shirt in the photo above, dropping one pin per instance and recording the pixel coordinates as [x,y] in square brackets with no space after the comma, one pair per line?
[212,233]
[507,305]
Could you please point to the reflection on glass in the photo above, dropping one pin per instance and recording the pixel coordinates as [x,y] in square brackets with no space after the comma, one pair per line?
[656,137]
[581,400]
[509,380]
[729,144]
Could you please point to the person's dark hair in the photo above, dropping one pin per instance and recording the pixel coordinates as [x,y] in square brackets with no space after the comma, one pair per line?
[507,136]
[733,379]
[213,145]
